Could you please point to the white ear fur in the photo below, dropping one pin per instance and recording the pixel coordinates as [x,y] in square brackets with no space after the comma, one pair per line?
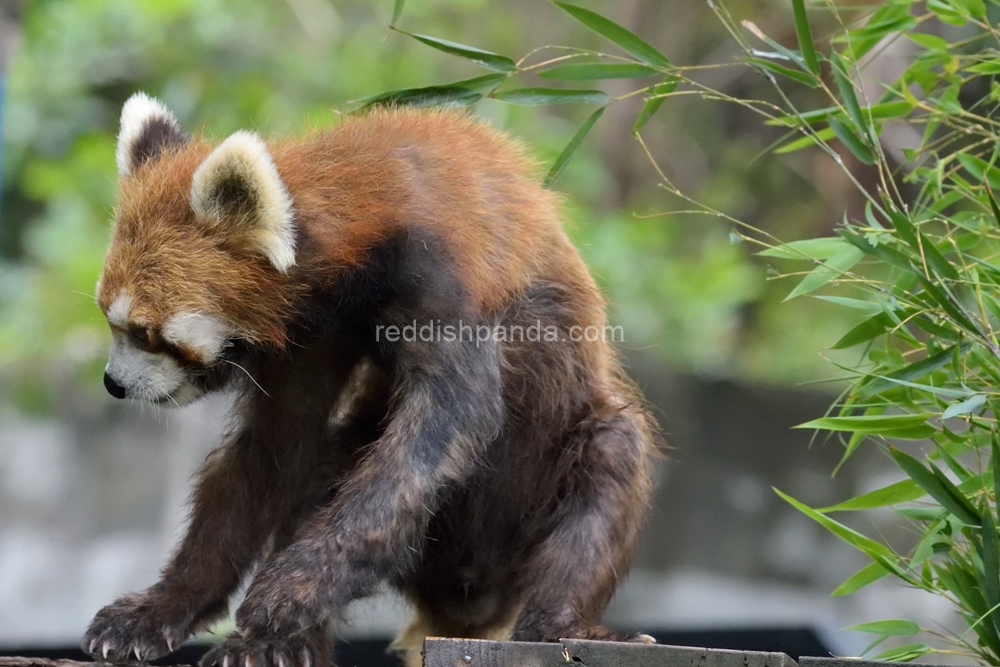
[238,187]
[146,127]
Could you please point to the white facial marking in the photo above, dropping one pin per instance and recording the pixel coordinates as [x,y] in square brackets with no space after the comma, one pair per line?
[149,376]
[138,111]
[97,291]
[205,334]
[119,310]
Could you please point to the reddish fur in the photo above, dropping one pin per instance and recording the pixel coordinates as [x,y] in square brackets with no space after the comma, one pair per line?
[441,170]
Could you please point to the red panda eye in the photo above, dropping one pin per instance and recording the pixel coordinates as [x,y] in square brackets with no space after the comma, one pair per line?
[139,335]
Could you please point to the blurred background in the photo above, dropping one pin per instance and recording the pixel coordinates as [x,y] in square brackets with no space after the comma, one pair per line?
[92,490]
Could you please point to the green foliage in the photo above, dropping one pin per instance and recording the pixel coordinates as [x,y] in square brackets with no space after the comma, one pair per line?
[921,262]
[645,61]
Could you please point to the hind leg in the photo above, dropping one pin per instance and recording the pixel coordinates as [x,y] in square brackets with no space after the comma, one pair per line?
[571,576]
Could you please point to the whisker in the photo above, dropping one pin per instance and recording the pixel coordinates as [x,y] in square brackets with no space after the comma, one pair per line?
[248,375]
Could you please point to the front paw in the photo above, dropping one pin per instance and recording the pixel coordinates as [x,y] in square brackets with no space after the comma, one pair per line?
[281,600]
[133,629]
[300,649]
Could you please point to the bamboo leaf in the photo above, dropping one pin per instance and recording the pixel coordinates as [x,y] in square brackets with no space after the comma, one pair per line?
[807,78]
[397,11]
[993,205]
[947,13]
[482,84]
[881,251]
[981,170]
[781,51]
[888,628]
[487,59]
[855,144]
[958,497]
[922,513]
[653,103]
[931,539]
[936,260]
[544,96]
[852,444]
[833,268]
[811,139]
[907,231]
[931,481]
[821,248]
[913,371]
[846,88]
[937,391]
[973,7]
[991,566]
[976,483]
[867,423]
[900,492]
[889,18]
[990,67]
[864,332]
[869,307]
[805,36]
[592,71]
[954,464]
[904,653]
[878,551]
[957,578]
[866,575]
[423,97]
[932,42]
[928,324]
[965,407]
[897,109]
[995,461]
[944,300]
[574,143]
[629,42]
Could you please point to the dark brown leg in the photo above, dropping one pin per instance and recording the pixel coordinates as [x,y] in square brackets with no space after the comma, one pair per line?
[446,409]
[573,573]
[246,491]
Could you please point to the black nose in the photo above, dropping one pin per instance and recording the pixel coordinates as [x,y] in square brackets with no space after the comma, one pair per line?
[113,387]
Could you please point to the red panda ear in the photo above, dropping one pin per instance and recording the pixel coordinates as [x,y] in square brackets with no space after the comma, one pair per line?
[147,128]
[237,190]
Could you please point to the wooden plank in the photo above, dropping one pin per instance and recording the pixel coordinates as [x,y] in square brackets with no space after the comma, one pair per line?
[616,654]
[588,653]
[851,662]
[482,653]
[44,662]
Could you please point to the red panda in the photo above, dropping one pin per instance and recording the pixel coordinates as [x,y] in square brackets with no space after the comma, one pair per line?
[497,477]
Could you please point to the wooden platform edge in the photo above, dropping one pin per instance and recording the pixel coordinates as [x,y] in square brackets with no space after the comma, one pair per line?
[442,652]
[44,662]
[445,652]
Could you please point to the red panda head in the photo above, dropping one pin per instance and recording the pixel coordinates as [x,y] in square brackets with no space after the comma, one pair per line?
[201,256]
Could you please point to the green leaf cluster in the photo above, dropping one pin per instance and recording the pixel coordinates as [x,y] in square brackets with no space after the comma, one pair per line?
[921,264]
[643,61]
